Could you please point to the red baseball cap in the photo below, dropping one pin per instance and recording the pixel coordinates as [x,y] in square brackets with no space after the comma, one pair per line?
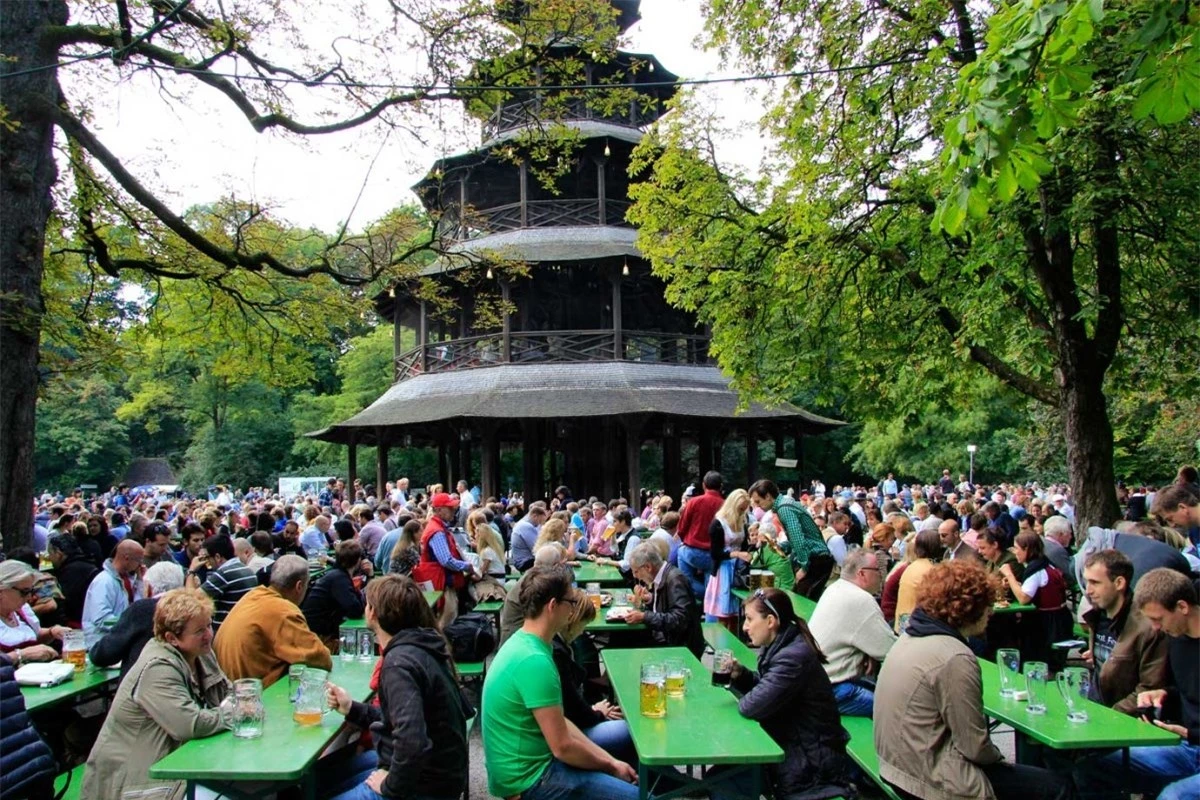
[443,500]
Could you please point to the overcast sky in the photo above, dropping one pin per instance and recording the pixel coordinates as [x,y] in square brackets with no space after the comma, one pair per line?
[201,148]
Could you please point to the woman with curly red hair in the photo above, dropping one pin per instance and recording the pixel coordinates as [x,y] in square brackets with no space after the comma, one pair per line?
[930,730]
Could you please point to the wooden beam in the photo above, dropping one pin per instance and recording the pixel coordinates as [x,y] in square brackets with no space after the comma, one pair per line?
[507,329]
[618,333]
[351,460]
[381,462]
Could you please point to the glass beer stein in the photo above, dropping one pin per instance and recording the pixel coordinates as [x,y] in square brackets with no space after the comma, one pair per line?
[653,695]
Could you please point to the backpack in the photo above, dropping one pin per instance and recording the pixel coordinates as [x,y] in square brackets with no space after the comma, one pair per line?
[471,638]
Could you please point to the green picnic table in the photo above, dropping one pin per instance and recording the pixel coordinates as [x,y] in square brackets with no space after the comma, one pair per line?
[603,574]
[601,624]
[1012,608]
[1105,728]
[283,756]
[703,728]
[90,680]
[800,604]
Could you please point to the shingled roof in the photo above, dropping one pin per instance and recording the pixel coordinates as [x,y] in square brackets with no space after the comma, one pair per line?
[590,389]
[150,472]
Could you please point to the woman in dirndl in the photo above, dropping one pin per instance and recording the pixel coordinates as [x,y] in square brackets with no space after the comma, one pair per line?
[727,538]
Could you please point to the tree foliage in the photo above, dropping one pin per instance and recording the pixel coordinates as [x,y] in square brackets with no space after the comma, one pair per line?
[856,263]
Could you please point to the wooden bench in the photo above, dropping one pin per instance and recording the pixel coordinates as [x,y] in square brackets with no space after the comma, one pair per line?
[719,638]
[76,788]
[861,748]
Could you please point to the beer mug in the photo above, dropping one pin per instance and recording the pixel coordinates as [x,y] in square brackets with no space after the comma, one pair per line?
[768,579]
[1008,662]
[1036,673]
[1074,683]
[248,713]
[677,677]
[653,694]
[310,701]
[74,652]
[295,675]
[348,644]
[366,645]
[722,667]
[593,595]
[755,580]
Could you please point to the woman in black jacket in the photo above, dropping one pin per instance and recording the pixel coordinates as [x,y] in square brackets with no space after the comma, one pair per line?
[603,722]
[335,596]
[792,699]
[420,724]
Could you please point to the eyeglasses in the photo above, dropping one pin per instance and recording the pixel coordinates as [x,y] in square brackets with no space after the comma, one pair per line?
[30,592]
[869,569]
[759,594]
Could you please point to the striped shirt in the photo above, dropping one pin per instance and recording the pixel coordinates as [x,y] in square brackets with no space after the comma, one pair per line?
[225,585]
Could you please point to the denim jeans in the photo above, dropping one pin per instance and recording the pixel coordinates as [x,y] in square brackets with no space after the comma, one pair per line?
[853,700]
[697,566]
[348,780]
[1173,771]
[613,737]
[560,782]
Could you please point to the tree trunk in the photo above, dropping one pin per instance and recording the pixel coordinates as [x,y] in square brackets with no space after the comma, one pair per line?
[1089,447]
[27,173]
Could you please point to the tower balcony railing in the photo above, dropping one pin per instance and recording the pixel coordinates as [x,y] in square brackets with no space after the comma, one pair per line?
[551,347]
[522,115]
[556,213]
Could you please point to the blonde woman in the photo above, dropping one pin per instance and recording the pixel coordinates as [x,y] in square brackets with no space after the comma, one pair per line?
[490,551]
[727,544]
[661,507]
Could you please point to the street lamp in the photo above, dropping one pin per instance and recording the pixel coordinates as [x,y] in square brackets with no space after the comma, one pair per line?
[971,449]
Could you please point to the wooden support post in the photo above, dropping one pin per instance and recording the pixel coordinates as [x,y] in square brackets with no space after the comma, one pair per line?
[423,337]
[351,460]
[672,461]
[489,461]
[381,461]
[507,329]
[618,333]
[751,454]
[704,442]
[633,424]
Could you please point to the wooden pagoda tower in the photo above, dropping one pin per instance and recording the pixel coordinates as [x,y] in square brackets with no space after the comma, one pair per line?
[591,363]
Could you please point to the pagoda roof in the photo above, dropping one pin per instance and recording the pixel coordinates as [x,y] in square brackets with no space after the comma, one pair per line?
[540,245]
[562,390]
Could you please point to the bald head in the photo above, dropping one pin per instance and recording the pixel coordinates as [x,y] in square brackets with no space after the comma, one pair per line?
[948,533]
[243,550]
[127,557]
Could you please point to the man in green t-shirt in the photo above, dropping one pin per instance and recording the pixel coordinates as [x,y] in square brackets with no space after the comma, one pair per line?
[532,750]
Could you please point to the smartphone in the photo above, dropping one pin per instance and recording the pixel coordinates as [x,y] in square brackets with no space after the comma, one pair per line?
[1149,712]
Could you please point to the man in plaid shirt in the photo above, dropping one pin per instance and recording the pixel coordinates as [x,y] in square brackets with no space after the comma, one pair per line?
[809,553]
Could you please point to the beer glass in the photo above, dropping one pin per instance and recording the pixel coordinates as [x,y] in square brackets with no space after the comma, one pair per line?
[348,644]
[722,665]
[366,645]
[248,711]
[310,701]
[593,594]
[74,652]
[295,675]
[1074,684]
[677,677]
[1008,662]
[1036,673]
[653,694]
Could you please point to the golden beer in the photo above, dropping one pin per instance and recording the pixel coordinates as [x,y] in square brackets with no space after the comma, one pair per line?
[653,698]
[76,658]
[596,600]
[306,717]
[676,685]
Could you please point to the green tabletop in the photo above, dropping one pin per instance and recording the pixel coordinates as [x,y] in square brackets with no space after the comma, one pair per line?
[1104,728]
[284,752]
[91,679]
[801,605]
[1012,608]
[703,727]
[361,622]
[622,598]
[432,597]
[603,574]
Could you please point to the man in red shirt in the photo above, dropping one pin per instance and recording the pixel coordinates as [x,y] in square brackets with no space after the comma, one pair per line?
[698,514]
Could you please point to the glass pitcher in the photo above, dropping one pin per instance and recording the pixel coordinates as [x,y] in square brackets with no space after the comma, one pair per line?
[310,701]
[246,713]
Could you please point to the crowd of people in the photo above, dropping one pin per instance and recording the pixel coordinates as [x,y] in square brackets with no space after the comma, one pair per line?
[189,596]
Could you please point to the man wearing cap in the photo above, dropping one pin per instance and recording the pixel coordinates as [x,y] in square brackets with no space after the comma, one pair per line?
[440,561]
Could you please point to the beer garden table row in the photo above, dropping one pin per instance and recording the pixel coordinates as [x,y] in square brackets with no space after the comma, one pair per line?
[1105,727]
